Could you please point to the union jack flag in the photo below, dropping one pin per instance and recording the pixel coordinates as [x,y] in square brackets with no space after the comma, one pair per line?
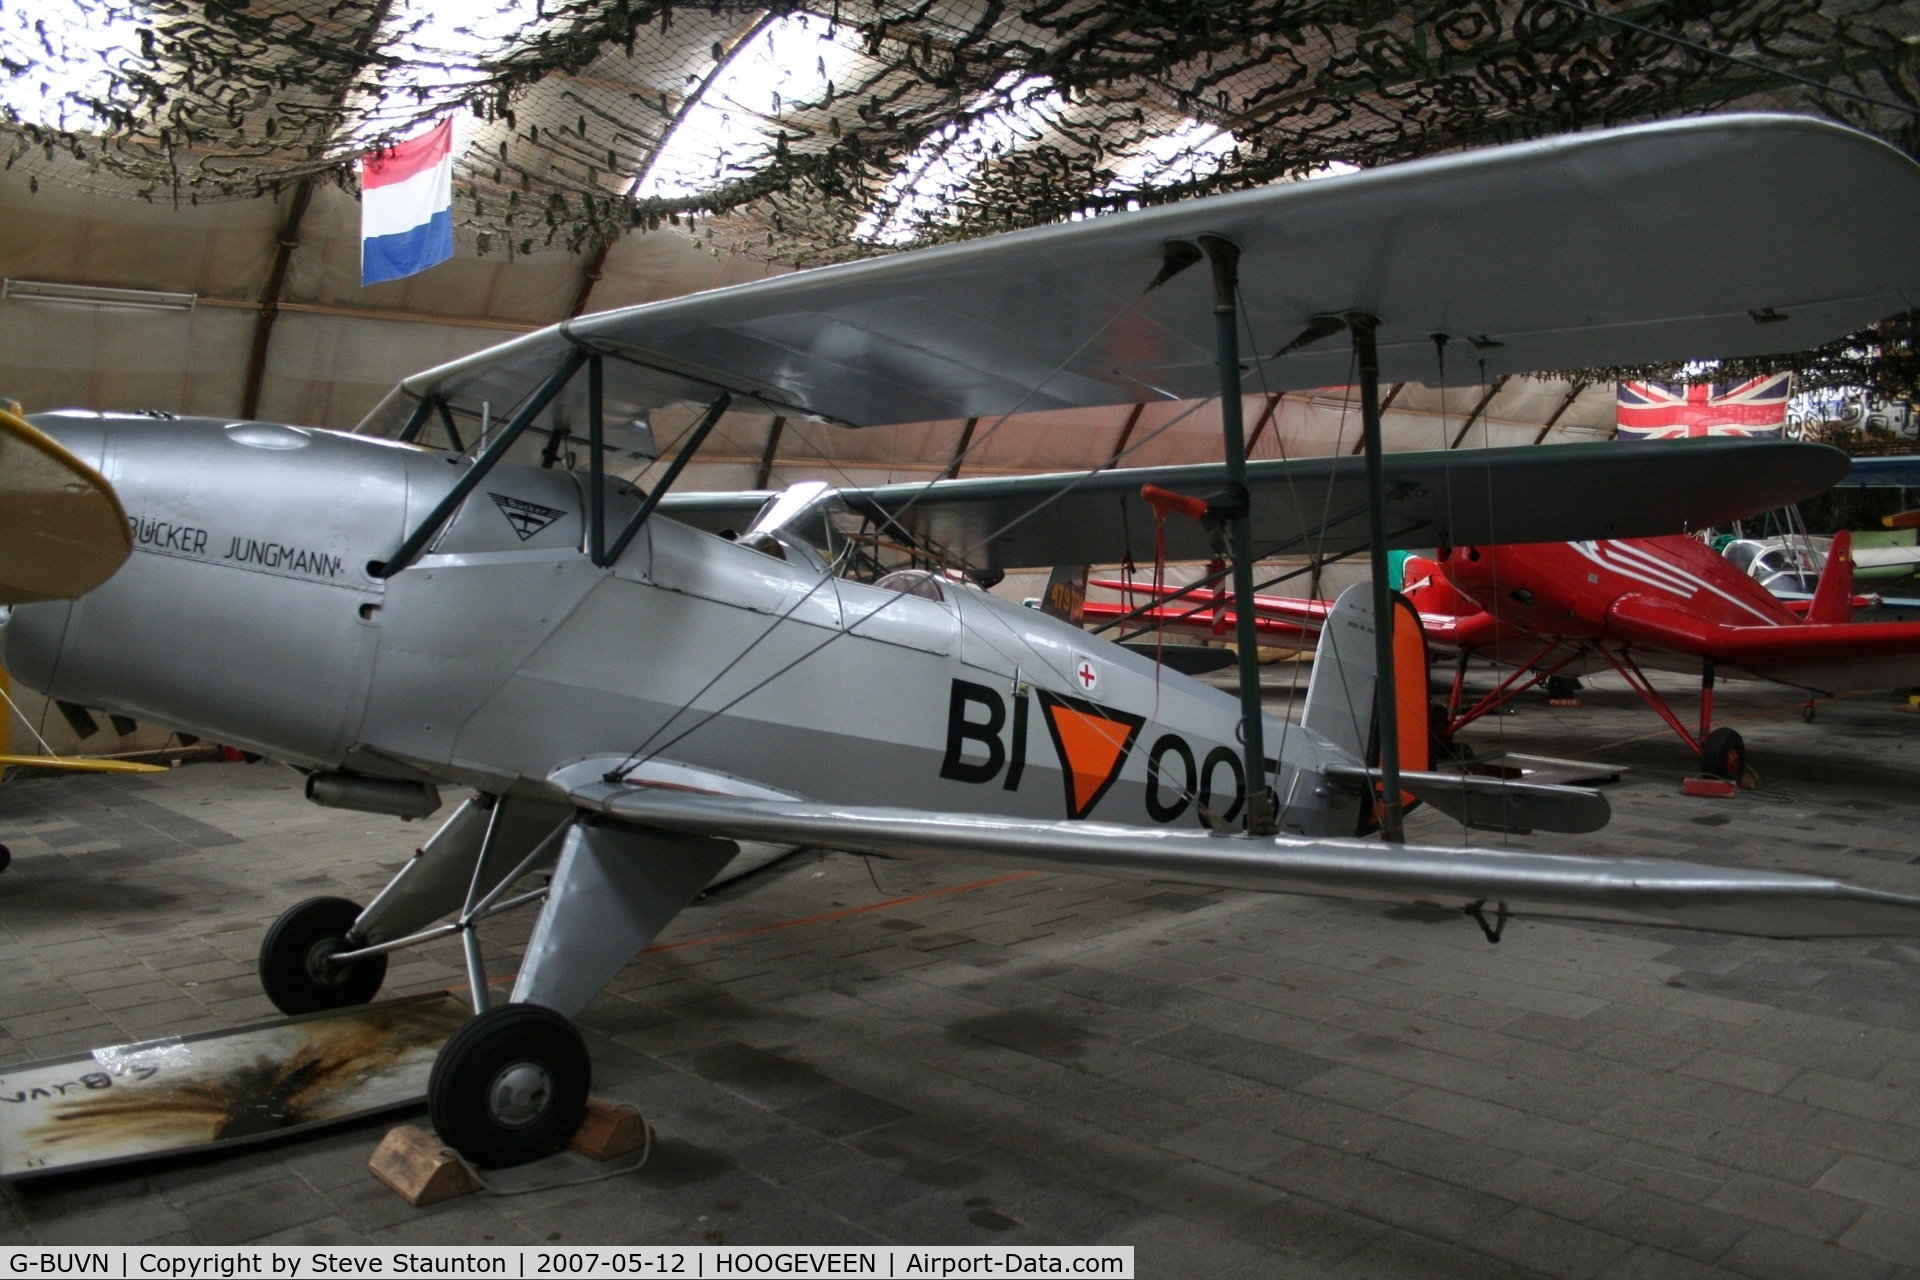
[1676,410]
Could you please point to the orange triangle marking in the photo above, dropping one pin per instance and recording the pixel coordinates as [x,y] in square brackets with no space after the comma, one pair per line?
[1092,744]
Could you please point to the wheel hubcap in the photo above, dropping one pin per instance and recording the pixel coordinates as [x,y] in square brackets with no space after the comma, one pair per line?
[320,965]
[519,1093]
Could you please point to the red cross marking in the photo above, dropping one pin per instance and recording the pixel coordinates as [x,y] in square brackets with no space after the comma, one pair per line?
[1088,677]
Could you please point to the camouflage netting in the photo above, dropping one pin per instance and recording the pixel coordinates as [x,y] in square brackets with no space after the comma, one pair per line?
[812,135]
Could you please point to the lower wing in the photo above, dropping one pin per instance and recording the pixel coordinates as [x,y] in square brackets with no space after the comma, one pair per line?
[1827,656]
[1632,890]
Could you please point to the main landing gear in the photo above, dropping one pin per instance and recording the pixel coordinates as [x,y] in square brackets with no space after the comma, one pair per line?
[1722,752]
[511,1084]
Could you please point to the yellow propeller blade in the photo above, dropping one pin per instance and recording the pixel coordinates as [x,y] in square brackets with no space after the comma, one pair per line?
[62,529]
[79,764]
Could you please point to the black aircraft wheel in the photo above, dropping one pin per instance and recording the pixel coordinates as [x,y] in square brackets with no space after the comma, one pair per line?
[6,857]
[1724,755]
[1563,686]
[510,1086]
[294,959]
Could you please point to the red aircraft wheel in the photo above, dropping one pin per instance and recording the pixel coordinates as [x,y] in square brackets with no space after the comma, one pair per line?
[1724,755]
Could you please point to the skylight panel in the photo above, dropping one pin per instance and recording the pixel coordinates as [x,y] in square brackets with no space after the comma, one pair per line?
[787,63]
[70,55]
[943,166]
[1190,150]
[445,47]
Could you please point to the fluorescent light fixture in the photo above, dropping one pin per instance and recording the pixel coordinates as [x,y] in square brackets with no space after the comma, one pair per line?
[87,295]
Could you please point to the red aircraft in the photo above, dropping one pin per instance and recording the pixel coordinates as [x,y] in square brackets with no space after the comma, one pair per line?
[1562,609]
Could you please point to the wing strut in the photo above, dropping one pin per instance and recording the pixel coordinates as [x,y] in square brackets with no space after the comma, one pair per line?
[417,541]
[1367,358]
[680,460]
[1362,327]
[1224,256]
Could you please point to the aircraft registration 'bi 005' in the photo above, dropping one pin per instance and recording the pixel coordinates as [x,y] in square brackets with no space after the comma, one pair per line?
[633,698]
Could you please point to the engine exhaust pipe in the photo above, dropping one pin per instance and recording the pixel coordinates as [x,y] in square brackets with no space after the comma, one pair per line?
[373,795]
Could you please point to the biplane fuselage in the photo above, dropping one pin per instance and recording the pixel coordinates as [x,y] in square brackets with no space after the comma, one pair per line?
[247,615]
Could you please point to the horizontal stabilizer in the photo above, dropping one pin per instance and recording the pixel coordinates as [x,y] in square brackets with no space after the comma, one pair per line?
[1495,804]
[1644,891]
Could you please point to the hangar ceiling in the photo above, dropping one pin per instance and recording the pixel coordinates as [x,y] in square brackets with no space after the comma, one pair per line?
[619,152]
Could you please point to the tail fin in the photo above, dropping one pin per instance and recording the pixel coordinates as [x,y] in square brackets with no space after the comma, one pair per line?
[1340,691]
[1833,597]
[1066,594]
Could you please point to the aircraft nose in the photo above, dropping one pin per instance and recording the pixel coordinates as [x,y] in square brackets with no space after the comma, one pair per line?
[80,432]
[32,641]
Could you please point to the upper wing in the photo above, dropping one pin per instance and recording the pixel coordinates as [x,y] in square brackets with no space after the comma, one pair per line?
[1825,656]
[1619,490]
[62,530]
[1715,236]
[1637,890]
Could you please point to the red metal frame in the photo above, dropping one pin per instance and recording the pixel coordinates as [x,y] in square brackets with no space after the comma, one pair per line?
[1638,682]
[1526,676]
[1506,691]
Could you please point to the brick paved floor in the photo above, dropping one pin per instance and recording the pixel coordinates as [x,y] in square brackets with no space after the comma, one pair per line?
[1240,1085]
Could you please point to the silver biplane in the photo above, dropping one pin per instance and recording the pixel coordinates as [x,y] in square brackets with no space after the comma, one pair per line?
[633,696]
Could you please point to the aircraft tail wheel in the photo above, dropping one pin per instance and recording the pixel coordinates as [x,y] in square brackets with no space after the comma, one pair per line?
[510,1086]
[1806,712]
[1724,755]
[294,968]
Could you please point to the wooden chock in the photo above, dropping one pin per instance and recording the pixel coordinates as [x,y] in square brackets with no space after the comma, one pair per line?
[609,1129]
[420,1168]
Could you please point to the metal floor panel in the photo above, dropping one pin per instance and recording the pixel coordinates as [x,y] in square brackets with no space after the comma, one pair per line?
[184,1095]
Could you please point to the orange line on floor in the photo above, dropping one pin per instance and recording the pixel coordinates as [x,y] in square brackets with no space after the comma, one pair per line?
[841,914]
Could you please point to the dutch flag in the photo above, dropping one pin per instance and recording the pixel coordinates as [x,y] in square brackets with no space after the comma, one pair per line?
[406,206]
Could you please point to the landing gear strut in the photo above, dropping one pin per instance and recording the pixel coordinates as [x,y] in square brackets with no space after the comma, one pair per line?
[297,969]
